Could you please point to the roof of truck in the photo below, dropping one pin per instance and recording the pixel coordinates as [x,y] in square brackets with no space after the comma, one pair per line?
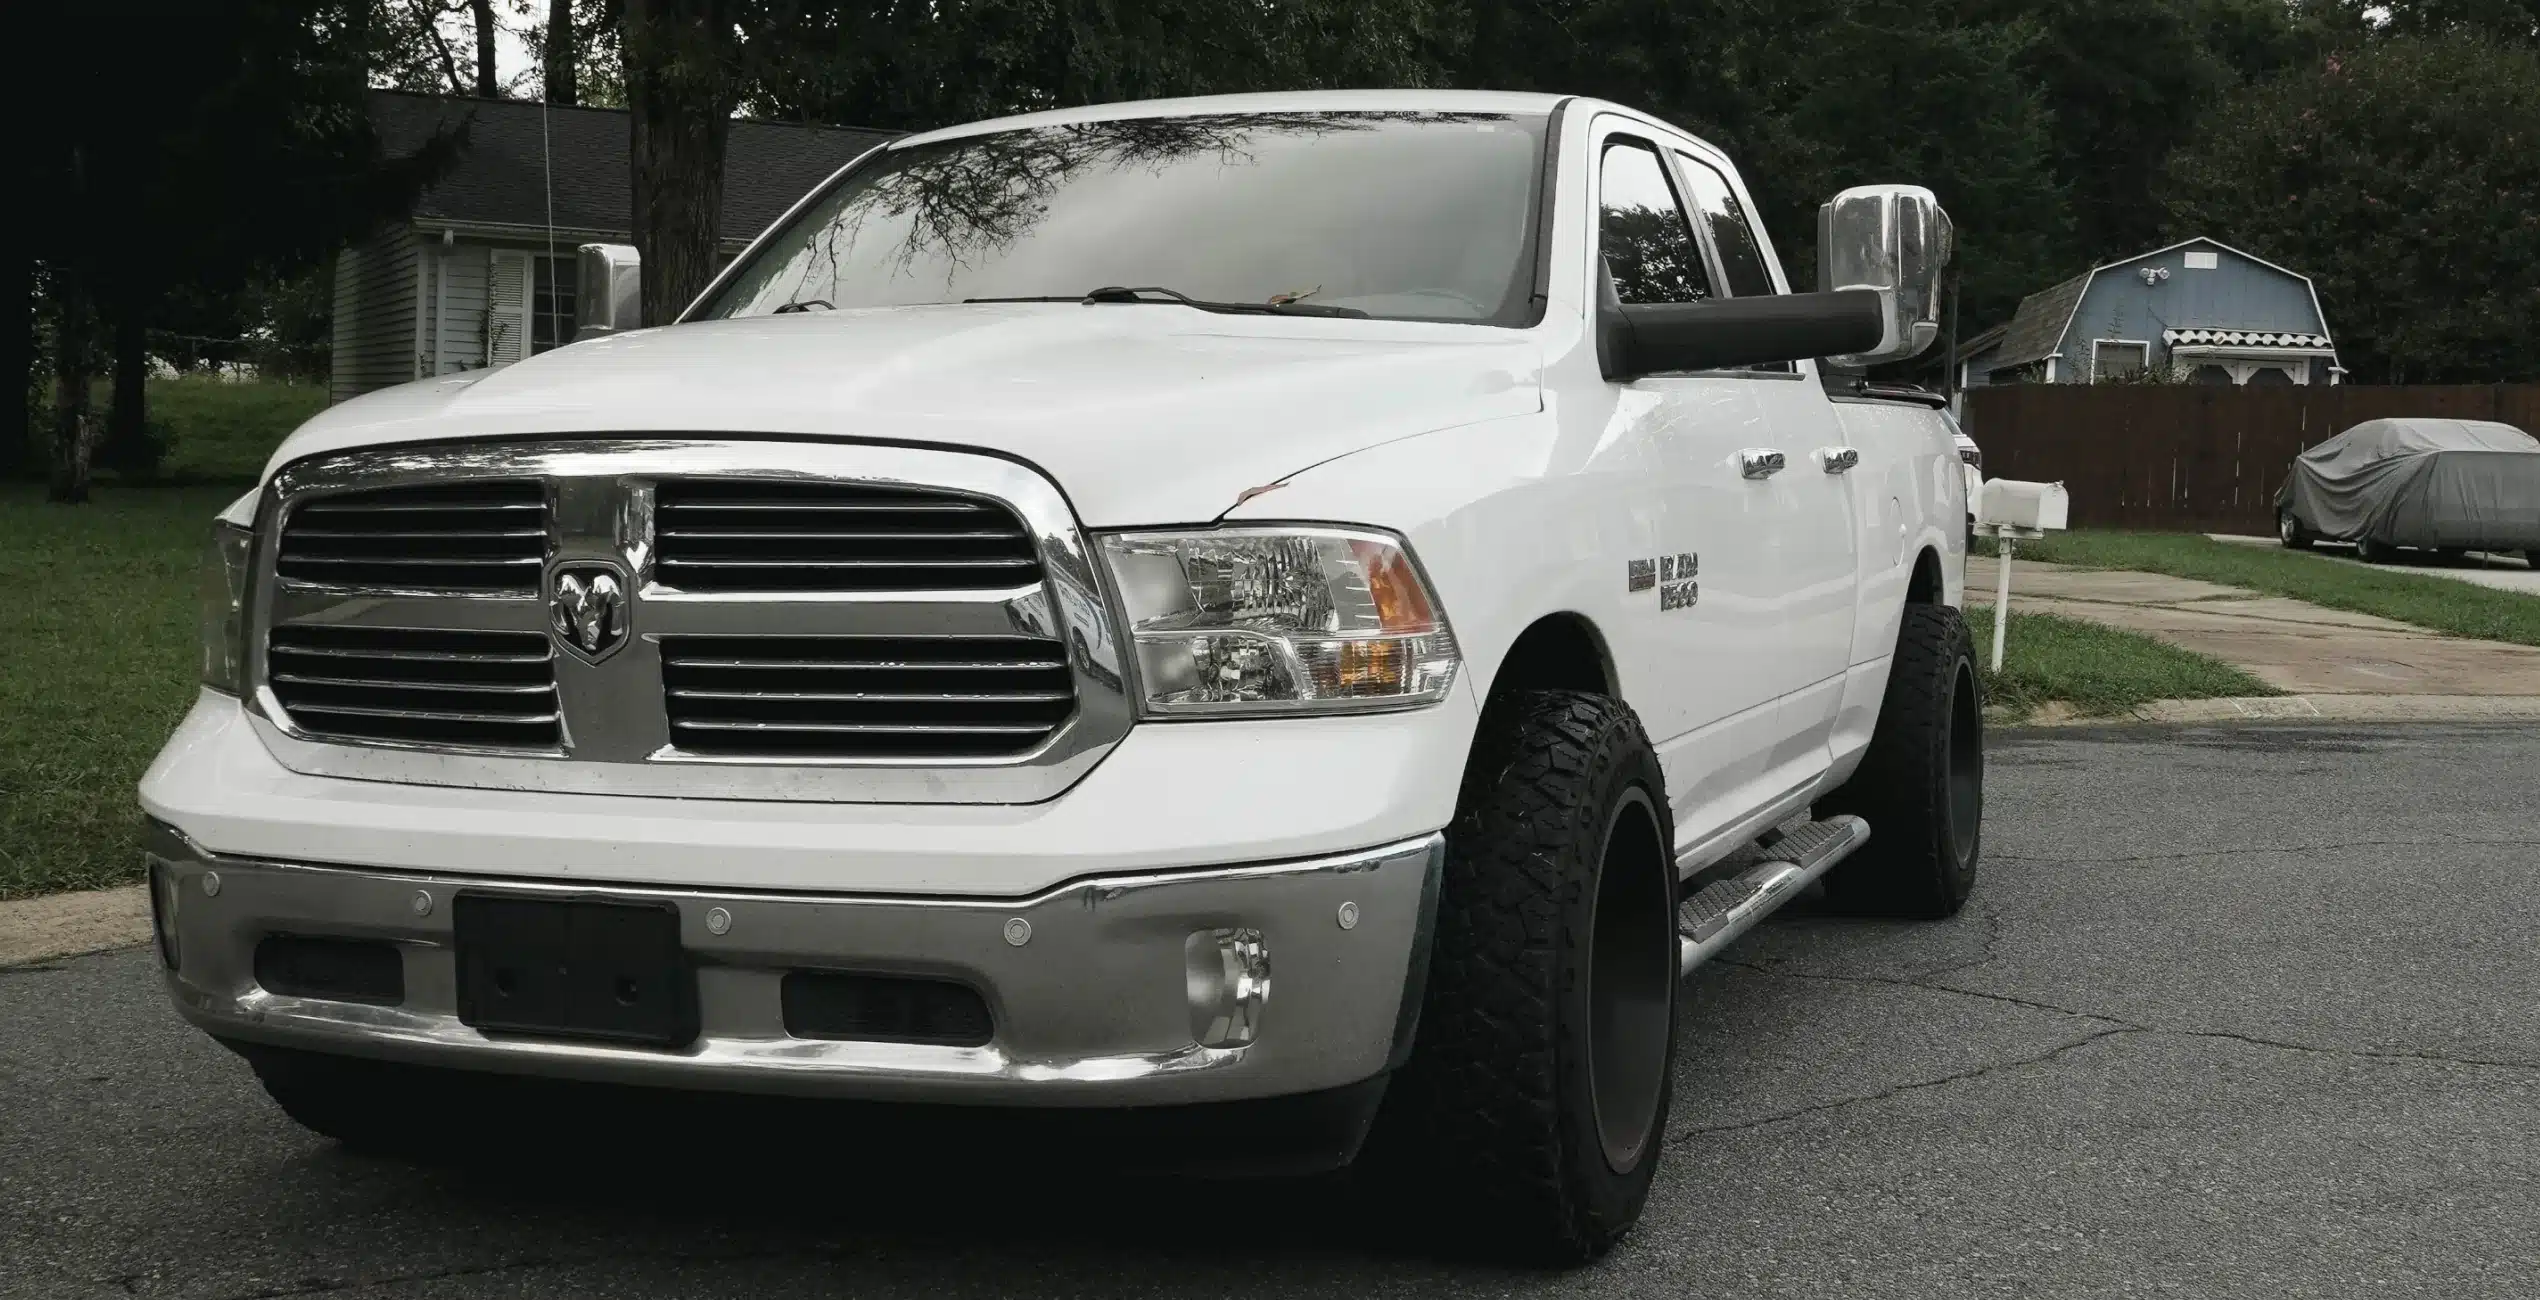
[1293,101]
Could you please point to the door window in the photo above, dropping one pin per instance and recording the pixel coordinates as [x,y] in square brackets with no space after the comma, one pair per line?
[1715,205]
[1648,247]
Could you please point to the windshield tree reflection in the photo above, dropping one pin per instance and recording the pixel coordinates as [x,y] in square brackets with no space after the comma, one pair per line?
[1423,216]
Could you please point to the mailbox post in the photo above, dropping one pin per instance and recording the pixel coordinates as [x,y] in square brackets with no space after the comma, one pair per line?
[2007,511]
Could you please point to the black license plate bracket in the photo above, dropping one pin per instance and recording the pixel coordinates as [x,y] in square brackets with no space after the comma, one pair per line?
[578,968]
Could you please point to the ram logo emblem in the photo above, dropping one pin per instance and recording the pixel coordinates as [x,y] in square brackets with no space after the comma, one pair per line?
[586,604]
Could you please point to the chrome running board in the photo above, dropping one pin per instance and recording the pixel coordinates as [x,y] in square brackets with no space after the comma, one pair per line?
[1724,909]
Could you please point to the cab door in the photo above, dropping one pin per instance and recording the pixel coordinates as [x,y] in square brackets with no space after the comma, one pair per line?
[1818,567]
[1709,606]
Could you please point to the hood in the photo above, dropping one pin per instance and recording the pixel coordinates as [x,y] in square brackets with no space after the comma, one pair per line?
[1142,414]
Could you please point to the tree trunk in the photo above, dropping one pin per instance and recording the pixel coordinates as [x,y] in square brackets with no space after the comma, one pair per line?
[127,444]
[74,432]
[17,354]
[681,85]
[488,84]
[561,53]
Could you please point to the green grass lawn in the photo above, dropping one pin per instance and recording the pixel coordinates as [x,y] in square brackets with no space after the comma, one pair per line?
[2099,671]
[97,662]
[222,432]
[2441,604]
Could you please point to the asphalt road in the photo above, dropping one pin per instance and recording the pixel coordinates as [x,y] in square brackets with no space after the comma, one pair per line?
[2248,1012]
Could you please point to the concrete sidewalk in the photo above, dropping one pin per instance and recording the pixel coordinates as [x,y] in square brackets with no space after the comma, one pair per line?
[2288,644]
[61,925]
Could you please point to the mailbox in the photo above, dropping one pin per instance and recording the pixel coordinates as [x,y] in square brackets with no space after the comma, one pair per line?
[2024,507]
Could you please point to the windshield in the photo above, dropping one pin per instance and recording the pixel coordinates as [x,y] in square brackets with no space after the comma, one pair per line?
[1411,216]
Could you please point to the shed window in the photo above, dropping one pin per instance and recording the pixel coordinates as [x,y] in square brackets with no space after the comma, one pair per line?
[2203,260]
[2118,359]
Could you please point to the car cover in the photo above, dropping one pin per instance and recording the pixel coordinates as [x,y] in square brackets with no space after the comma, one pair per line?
[2421,482]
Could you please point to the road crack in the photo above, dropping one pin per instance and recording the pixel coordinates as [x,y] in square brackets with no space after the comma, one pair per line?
[1961,1076]
[2417,843]
[2119,1024]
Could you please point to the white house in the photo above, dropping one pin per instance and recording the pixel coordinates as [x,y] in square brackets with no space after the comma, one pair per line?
[482,274]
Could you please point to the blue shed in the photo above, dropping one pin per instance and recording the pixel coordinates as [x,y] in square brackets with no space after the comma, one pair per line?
[2201,309]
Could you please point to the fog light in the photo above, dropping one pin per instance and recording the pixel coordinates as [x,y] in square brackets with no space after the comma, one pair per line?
[1227,974]
[163,910]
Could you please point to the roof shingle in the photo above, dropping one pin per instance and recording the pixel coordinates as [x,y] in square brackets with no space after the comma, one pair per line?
[500,177]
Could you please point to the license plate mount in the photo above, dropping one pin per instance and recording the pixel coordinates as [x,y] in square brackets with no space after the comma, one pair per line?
[575,968]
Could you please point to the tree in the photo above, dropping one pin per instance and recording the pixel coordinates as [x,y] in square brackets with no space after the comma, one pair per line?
[2402,174]
[684,77]
[489,82]
[558,53]
[238,147]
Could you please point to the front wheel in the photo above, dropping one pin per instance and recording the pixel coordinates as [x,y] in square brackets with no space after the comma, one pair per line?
[1921,783]
[1532,1111]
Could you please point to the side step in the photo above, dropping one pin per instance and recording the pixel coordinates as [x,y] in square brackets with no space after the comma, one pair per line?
[1724,909]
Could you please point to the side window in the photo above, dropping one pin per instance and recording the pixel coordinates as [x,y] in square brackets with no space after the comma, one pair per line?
[1732,234]
[1648,248]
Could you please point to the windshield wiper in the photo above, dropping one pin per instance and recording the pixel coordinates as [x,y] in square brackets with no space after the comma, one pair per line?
[805,305]
[1150,293]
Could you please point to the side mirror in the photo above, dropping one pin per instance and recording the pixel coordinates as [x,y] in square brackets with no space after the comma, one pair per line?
[1894,240]
[610,284]
[1647,338]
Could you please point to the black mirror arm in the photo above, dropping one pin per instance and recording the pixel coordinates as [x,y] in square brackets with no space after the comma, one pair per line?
[1651,338]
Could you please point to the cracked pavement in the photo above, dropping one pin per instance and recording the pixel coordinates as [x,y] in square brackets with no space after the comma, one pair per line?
[2235,1011]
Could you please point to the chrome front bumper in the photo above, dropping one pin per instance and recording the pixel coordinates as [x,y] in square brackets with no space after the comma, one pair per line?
[1098,1004]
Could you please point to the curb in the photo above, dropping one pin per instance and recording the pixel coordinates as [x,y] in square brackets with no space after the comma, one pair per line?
[67,925]
[2311,708]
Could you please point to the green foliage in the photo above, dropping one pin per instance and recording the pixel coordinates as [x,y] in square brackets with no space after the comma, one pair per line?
[2099,671]
[2401,173]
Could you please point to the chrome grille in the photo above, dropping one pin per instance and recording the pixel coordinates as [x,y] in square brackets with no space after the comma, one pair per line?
[802,620]
[864,697]
[471,537]
[768,535]
[493,689]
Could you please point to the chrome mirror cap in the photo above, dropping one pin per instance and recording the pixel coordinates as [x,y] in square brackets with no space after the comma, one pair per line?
[1894,239]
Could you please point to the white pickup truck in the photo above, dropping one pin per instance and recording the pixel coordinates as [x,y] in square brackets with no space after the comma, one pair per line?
[1311,610]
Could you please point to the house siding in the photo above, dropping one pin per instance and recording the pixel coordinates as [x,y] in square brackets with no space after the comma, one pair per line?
[374,315]
[2237,294]
[453,308]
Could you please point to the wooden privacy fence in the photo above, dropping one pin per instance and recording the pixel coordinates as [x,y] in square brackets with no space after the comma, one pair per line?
[2195,458]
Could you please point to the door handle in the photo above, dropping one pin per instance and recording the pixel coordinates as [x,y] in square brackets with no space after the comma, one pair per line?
[1838,459]
[1760,462]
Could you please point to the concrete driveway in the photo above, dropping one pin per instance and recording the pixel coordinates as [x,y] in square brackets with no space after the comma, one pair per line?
[2247,1012]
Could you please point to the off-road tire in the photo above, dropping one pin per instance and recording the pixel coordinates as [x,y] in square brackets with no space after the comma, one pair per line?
[1491,1129]
[1926,826]
[2289,530]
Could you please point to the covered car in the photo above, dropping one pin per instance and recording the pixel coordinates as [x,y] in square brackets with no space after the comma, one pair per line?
[2442,485]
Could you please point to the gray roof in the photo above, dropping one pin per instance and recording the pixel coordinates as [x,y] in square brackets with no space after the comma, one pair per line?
[500,180]
[2038,325]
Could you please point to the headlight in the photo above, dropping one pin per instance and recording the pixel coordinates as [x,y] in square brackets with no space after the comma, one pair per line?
[224,602]
[1280,620]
